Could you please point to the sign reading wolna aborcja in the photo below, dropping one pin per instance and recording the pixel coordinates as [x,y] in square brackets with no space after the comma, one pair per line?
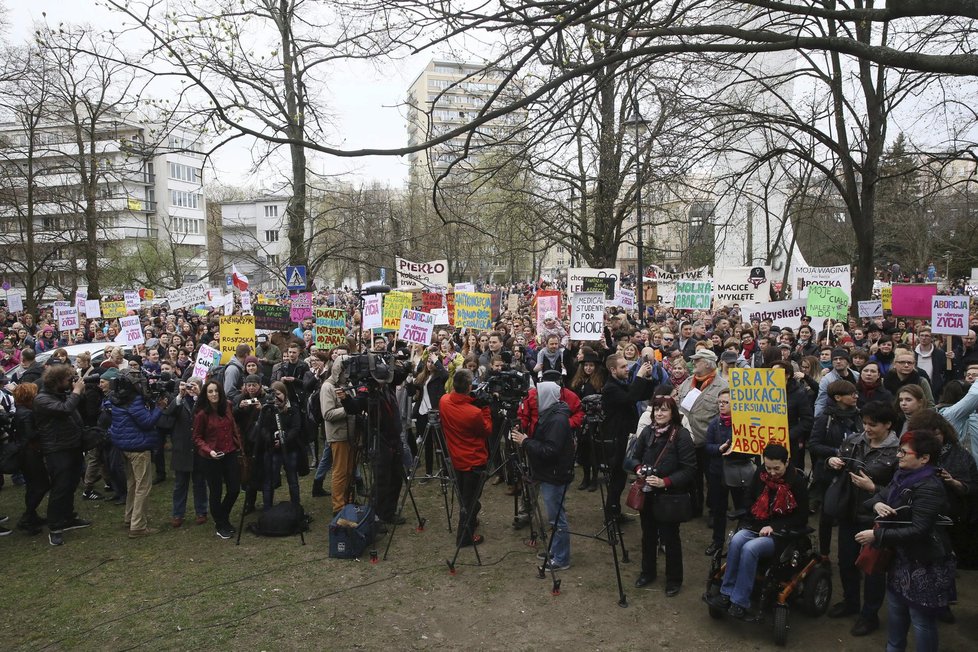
[949,315]
[694,295]
[587,316]
[758,408]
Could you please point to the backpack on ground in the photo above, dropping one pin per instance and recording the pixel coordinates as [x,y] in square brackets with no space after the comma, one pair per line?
[351,531]
[283,520]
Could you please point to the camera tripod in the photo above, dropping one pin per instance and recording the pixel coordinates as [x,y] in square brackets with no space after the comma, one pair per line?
[445,475]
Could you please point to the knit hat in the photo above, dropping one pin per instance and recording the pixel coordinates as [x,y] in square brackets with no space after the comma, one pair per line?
[252,378]
[840,353]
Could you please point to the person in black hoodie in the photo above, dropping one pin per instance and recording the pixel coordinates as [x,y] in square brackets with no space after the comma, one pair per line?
[551,457]
[279,444]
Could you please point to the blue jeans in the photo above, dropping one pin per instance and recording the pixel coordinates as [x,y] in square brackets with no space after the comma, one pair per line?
[901,617]
[553,499]
[325,463]
[181,487]
[746,550]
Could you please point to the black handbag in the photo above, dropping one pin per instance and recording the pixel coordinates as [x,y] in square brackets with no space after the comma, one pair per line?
[837,501]
[738,473]
[672,508]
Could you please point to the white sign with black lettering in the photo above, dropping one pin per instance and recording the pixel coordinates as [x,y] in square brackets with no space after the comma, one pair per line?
[67,319]
[132,332]
[15,302]
[93,309]
[587,316]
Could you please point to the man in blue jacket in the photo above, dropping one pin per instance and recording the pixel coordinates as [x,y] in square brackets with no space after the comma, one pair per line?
[133,432]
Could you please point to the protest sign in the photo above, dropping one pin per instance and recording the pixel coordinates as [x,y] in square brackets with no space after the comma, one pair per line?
[206,358]
[603,284]
[188,295]
[371,311]
[495,304]
[513,305]
[440,315]
[229,304]
[93,310]
[269,317]
[826,301]
[626,298]
[871,308]
[131,299]
[416,327]
[113,309]
[664,283]
[465,287]
[431,300]
[949,315]
[80,298]
[394,304]
[301,307]
[330,328]
[246,300]
[971,290]
[913,299]
[473,310]
[694,295]
[58,306]
[838,277]
[783,314]
[576,276]
[759,409]
[741,285]
[587,315]
[434,273]
[547,301]
[450,307]
[67,319]
[15,302]
[235,330]
[215,298]
[886,297]
[131,332]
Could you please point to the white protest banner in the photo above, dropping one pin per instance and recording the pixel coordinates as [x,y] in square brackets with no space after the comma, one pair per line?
[972,290]
[229,304]
[416,327]
[694,295]
[215,298]
[802,276]
[949,315]
[872,308]
[785,314]
[132,332]
[576,276]
[188,295]
[440,315]
[15,302]
[625,298]
[93,309]
[67,319]
[666,281]
[80,296]
[207,357]
[246,300]
[372,314]
[131,297]
[59,306]
[434,273]
[464,287]
[741,285]
[587,316]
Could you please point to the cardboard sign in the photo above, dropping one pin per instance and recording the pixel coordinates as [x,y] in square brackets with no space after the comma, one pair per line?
[269,317]
[741,285]
[131,299]
[372,311]
[441,316]
[473,310]
[235,330]
[131,332]
[783,314]
[330,328]
[416,327]
[759,409]
[68,319]
[301,307]
[587,316]
[513,304]
[913,299]
[828,302]
[871,308]
[576,276]
[434,273]
[92,309]
[246,301]
[838,277]
[626,299]
[431,300]
[694,295]
[949,315]
[113,309]
[886,297]
[394,304]
[206,358]
[189,295]
[15,302]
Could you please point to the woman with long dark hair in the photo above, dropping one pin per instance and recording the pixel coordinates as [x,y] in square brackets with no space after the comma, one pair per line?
[665,458]
[588,380]
[218,442]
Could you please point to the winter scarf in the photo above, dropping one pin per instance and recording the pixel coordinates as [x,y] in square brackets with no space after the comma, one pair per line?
[784,501]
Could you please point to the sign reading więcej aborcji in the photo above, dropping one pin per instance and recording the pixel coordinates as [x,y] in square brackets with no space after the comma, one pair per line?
[759,409]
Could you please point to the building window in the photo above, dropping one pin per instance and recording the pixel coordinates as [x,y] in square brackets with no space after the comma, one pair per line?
[187,226]
[182,172]
[185,199]
[273,259]
[271,236]
[271,211]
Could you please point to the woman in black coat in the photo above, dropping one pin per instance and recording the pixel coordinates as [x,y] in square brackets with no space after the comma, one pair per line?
[665,457]
[280,443]
[801,415]
[36,483]
[429,387]
[184,460]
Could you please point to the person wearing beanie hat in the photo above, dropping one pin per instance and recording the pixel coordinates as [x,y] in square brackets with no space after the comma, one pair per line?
[841,370]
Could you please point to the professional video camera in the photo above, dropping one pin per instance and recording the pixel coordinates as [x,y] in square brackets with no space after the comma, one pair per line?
[158,385]
[366,368]
[593,409]
[504,387]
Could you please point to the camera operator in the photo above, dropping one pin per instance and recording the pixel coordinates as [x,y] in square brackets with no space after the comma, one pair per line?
[467,427]
[551,455]
[164,386]
[96,465]
[132,427]
[279,444]
[246,408]
[618,399]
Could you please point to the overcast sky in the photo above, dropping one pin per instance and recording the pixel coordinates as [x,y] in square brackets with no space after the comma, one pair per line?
[363,101]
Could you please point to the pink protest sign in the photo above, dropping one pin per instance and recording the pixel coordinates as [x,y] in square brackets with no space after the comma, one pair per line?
[913,299]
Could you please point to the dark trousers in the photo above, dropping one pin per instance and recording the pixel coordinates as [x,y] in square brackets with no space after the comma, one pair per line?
[616,481]
[117,473]
[223,486]
[852,578]
[64,474]
[35,480]
[668,533]
[469,485]
[697,489]
[274,461]
[387,480]
[717,495]
[825,525]
[586,456]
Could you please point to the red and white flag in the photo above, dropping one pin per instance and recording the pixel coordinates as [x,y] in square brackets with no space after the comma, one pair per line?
[239,280]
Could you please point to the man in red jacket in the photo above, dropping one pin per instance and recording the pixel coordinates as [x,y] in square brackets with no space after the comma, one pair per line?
[467,427]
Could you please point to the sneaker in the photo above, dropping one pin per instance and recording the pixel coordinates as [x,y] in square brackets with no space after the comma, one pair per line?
[224,534]
[145,532]
[4,519]
[201,519]
[555,566]
[542,556]
[56,538]
[864,626]
[77,524]
[91,494]
[4,531]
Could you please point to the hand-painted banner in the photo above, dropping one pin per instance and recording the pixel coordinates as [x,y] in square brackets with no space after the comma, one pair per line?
[473,310]
[131,299]
[587,315]
[431,300]
[207,357]
[270,317]
[416,327]
[246,300]
[434,273]
[741,285]
[759,409]
[189,295]
[783,314]
[235,330]
[949,315]
[372,306]
[15,302]
[394,304]
[694,295]
[828,302]
[330,328]
[576,276]
[301,307]
[626,299]
[93,309]
[113,309]
[68,319]
[871,308]
[913,299]
[838,277]
[131,331]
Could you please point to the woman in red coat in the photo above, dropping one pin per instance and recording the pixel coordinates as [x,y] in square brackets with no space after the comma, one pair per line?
[218,441]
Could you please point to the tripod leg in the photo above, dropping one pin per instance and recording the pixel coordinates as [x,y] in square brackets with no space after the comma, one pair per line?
[407,494]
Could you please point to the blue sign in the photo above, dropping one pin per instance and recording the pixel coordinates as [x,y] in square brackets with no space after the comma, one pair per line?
[295,277]
[228,280]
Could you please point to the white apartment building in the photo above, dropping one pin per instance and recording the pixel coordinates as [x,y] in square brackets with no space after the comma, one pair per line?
[254,237]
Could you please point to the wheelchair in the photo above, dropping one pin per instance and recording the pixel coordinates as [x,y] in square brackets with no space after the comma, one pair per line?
[796,576]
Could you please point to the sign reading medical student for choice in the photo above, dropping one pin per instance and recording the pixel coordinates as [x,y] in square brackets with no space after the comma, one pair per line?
[587,316]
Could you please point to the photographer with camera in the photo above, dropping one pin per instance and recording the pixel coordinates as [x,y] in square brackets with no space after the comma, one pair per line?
[467,427]
[132,428]
[187,466]
[279,444]
[246,408]
[550,452]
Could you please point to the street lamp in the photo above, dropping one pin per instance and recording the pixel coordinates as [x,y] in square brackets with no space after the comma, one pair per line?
[637,122]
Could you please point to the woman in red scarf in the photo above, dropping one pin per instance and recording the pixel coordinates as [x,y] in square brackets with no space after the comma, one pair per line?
[779,501]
